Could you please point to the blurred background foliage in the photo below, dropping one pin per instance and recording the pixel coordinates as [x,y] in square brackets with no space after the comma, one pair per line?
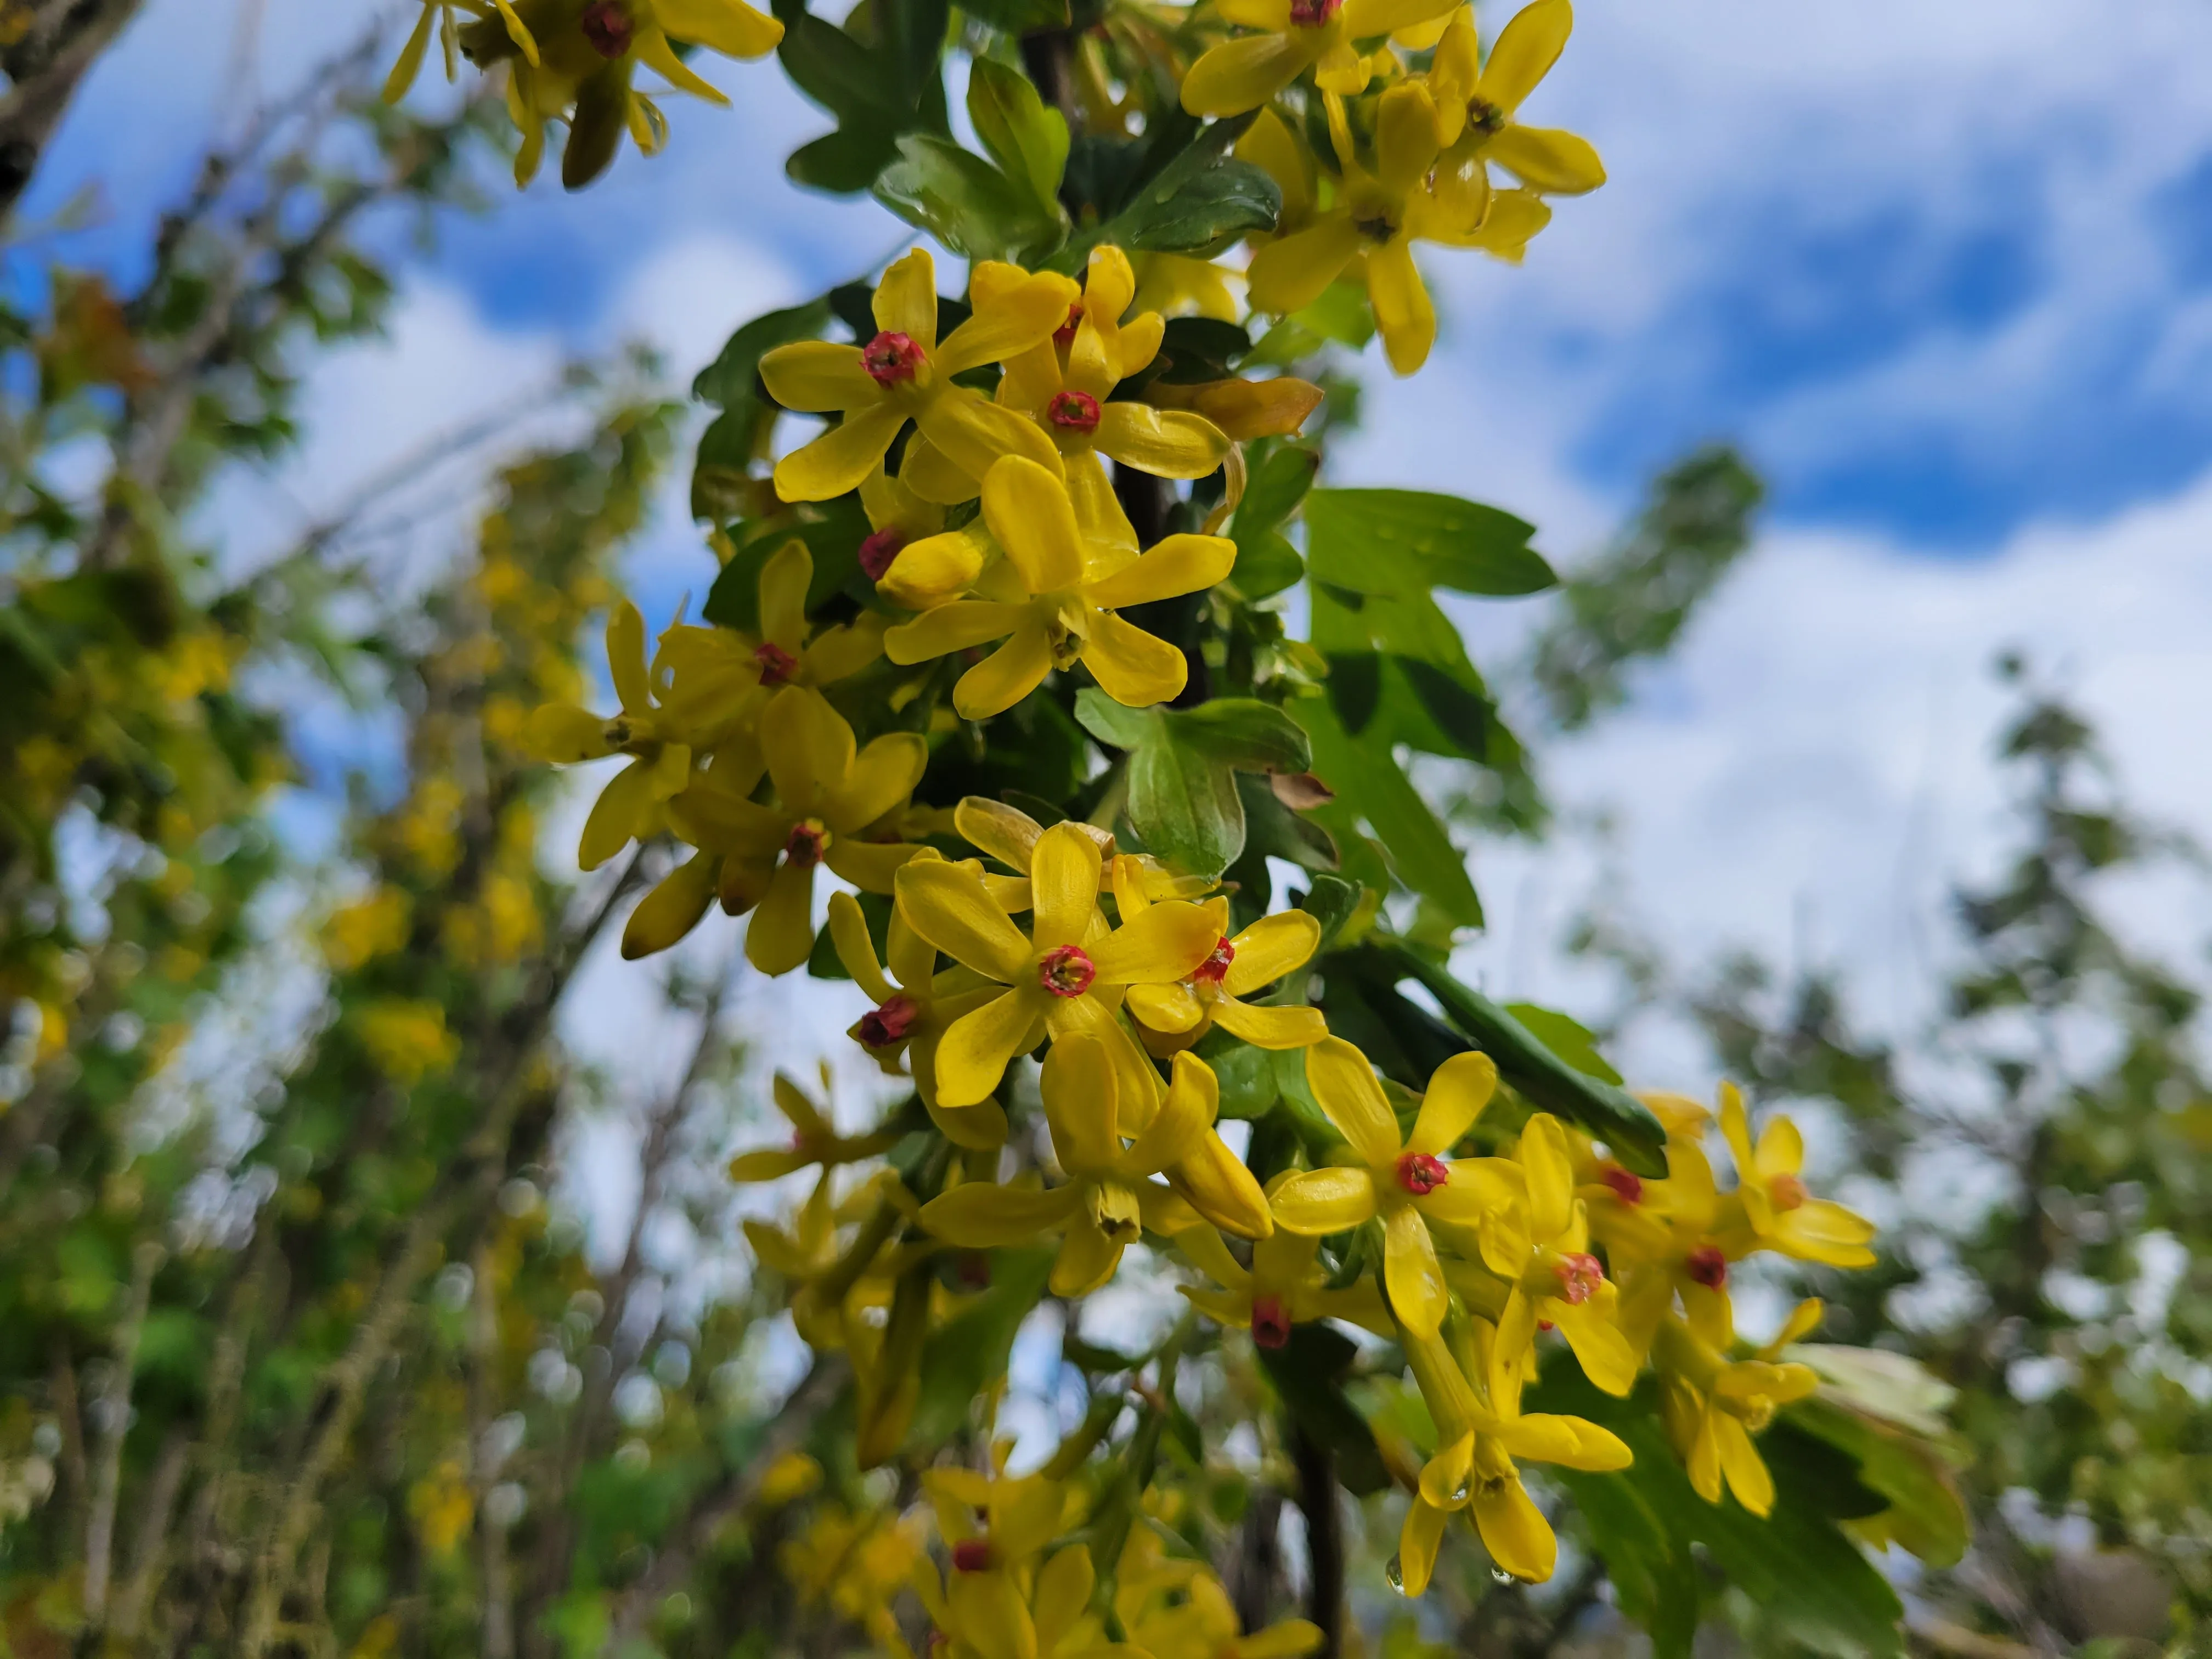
[303,1346]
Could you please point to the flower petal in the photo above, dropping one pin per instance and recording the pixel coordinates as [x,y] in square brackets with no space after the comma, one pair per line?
[1418,1541]
[936,568]
[1007,676]
[977,1215]
[1605,1354]
[815,376]
[1515,1532]
[1320,1201]
[809,747]
[784,580]
[1404,314]
[1569,1442]
[1021,314]
[1185,1117]
[906,300]
[956,627]
[1063,887]
[1268,949]
[1524,51]
[1547,159]
[878,778]
[973,1055]
[975,434]
[1155,947]
[1243,74]
[1543,1158]
[1344,1082]
[837,460]
[1290,274]
[870,865]
[729,26]
[1291,1026]
[1169,1008]
[1132,666]
[1087,1260]
[1029,512]
[1169,444]
[780,936]
[849,932]
[1458,1090]
[1178,565]
[1747,1472]
[949,906]
[1411,1274]
[616,816]
[1080,1105]
[673,908]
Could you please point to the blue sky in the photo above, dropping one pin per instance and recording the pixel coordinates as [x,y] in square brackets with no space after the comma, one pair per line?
[1943,269]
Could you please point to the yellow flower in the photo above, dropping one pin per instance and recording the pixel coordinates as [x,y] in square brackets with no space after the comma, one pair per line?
[1054,601]
[630,807]
[1540,1246]
[856,1565]
[1772,1210]
[1283,1286]
[1473,1473]
[1712,1405]
[1066,383]
[1381,211]
[828,795]
[718,679]
[445,16]
[1244,73]
[1204,1625]
[1255,959]
[1108,1198]
[1064,979]
[1662,1245]
[1178,285]
[915,1006]
[995,1601]
[899,522]
[905,374]
[1405,1184]
[1476,102]
[581,62]
[367,928]
[814,1139]
[1009,836]
[407,1039]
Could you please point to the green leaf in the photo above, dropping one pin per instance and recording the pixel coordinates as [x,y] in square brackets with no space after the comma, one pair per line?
[1922,1509]
[731,378]
[1371,789]
[1200,203]
[1567,1038]
[1182,796]
[1795,1565]
[832,533]
[1026,139]
[964,201]
[846,161]
[966,1354]
[1273,830]
[1401,544]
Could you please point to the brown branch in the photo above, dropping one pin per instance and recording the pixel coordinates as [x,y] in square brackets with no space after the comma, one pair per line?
[150,1554]
[45,67]
[114,1426]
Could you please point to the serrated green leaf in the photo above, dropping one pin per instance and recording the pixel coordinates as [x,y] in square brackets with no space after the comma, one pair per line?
[1181,792]
[1404,542]
[964,201]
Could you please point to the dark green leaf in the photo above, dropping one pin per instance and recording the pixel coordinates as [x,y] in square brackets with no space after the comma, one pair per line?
[1018,16]
[1565,1037]
[731,377]
[966,1354]
[846,161]
[1371,789]
[1404,542]
[1027,140]
[964,201]
[1183,798]
[1308,1372]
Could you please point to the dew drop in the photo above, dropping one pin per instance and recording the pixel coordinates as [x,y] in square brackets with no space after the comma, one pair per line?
[1394,1571]
[1498,1575]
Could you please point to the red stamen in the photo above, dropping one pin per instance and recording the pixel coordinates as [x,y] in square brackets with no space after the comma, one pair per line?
[1073,411]
[1627,1185]
[607,28]
[877,552]
[808,841]
[1066,971]
[891,359]
[1271,1322]
[1707,1266]
[882,1026]
[1215,967]
[971,1555]
[777,665]
[1312,14]
[1579,1277]
[1065,334]
[1420,1174]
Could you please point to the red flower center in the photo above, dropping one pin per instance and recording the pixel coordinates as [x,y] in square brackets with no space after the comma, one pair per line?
[971,1555]
[1073,411]
[1420,1174]
[1312,14]
[1707,1266]
[877,552]
[1579,1277]
[1066,970]
[607,28]
[1627,1185]
[882,1026]
[808,841]
[891,359]
[1787,1191]
[1215,967]
[777,665]
[1065,334]
[1271,1322]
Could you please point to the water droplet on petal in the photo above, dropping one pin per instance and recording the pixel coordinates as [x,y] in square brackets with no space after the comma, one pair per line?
[1394,1571]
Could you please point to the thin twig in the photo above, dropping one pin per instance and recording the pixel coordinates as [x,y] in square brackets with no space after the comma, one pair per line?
[114,1426]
